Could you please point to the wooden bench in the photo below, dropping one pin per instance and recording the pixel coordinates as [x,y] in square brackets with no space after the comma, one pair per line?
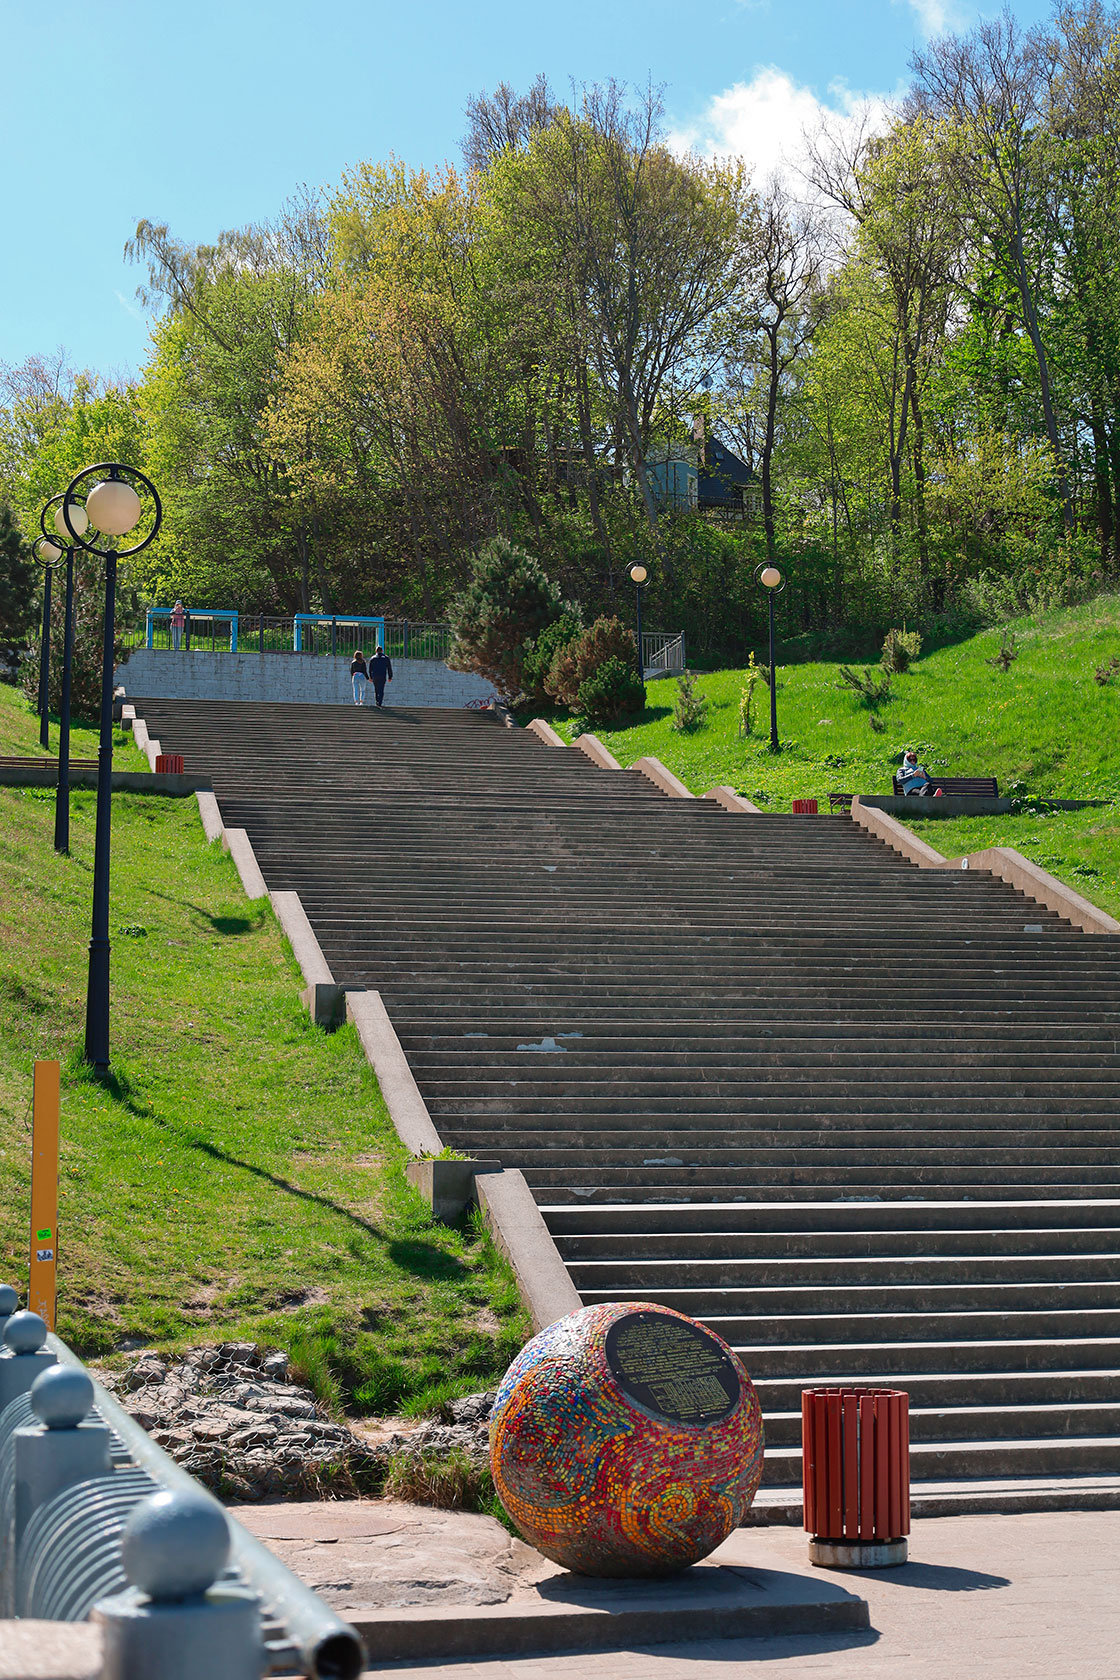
[840,801]
[976,787]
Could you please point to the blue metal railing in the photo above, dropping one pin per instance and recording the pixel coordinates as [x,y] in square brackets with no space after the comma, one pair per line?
[311,630]
[199,626]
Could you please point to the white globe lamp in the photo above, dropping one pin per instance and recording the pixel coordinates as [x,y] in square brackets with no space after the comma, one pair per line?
[78,519]
[113,507]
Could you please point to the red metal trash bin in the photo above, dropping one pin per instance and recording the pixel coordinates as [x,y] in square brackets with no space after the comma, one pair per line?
[169,764]
[805,808]
[855,1454]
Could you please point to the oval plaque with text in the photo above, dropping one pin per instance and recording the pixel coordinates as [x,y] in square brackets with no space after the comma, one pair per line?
[671,1368]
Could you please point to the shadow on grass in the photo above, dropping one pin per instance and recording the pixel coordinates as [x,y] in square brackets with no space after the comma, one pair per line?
[220,924]
[411,1254]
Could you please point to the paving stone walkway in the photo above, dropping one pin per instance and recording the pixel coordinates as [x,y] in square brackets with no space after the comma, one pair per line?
[985,1598]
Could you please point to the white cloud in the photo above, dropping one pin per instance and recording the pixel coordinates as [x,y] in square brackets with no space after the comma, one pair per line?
[768,121]
[934,16]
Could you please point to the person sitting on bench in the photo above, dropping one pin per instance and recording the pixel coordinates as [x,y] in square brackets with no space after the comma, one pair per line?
[912,776]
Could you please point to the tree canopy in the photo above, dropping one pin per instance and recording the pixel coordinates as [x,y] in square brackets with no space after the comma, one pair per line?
[917,357]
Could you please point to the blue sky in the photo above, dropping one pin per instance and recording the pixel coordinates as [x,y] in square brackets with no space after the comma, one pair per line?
[206,115]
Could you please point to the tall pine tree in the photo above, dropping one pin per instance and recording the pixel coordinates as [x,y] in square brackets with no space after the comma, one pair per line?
[17,580]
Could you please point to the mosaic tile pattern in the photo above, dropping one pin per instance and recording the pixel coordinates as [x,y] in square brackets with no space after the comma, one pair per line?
[603,1484]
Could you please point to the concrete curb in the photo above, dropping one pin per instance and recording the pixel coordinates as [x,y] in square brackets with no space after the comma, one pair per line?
[40,774]
[709,1601]
[545,732]
[1003,861]
[662,778]
[517,1226]
[596,752]
[732,801]
[212,825]
[301,937]
[236,842]
[949,805]
[1039,884]
[896,835]
[407,1109]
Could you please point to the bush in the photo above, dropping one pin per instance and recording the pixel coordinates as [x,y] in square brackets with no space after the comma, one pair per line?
[503,609]
[609,692]
[689,708]
[553,639]
[900,649]
[754,674]
[607,638]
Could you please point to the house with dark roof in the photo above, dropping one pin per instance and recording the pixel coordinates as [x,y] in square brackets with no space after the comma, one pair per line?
[703,476]
[724,483]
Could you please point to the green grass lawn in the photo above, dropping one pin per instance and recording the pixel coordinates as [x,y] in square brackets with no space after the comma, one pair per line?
[238,1177]
[19,735]
[1045,723]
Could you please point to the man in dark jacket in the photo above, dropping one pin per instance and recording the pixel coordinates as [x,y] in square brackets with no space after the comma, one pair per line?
[380,672]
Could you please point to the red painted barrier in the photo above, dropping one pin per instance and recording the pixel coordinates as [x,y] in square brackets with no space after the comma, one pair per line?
[169,764]
[804,807]
[855,1451]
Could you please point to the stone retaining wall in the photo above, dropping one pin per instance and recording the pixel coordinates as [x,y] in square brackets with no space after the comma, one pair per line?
[287,678]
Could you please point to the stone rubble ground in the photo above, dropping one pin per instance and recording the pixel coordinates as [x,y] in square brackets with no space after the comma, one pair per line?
[233,1417]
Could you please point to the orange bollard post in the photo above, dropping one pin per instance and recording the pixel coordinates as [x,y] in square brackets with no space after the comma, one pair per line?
[855,1452]
[43,1268]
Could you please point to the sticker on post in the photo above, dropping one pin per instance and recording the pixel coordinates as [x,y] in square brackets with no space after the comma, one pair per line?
[44,1254]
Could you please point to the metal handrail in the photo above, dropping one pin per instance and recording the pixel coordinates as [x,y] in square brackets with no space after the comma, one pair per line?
[329,1647]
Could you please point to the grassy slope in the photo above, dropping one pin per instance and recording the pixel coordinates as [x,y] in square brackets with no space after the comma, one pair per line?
[1046,723]
[239,1177]
[19,735]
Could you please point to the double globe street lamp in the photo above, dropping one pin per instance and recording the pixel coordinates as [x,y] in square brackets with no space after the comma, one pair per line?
[771,580]
[50,553]
[103,502]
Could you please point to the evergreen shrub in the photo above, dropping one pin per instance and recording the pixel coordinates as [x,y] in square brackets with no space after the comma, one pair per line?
[503,609]
[610,692]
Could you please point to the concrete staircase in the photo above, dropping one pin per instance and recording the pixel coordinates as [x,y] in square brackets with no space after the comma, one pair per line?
[859,1117]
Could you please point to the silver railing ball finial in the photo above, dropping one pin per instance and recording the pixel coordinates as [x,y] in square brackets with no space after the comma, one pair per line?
[175,1545]
[62,1397]
[9,1300]
[25,1332]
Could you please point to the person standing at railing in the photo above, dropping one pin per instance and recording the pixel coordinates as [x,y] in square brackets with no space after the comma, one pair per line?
[358,675]
[380,672]
[178,619]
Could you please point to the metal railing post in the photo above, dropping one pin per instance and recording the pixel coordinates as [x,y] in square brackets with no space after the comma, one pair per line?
[24,1356]
[64,1447]
[172,1620]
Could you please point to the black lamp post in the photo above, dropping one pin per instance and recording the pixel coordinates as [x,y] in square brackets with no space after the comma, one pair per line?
[112,509]
[43,707]
[51,554]
[638,576]
[771,580]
